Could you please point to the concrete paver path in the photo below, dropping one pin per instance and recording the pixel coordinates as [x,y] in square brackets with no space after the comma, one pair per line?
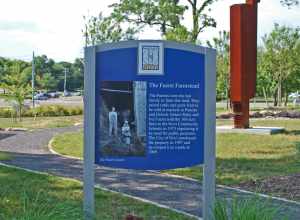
[30,151]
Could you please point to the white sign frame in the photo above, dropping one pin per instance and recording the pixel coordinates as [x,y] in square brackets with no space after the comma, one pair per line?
[209,165]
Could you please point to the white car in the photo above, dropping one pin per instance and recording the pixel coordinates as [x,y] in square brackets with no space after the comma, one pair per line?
[296,98]
[40,96]
[294,95]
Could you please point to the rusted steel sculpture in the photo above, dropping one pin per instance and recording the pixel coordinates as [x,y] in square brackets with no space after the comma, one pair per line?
[243,55]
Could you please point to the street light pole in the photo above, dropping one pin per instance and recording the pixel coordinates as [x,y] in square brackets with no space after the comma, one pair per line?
[32,80]
[65,82]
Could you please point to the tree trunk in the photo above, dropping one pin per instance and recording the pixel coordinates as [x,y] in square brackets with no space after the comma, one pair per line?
[286,99]
[279,92]
[195,21]
[275,98]
[163,28]
[227,99]
[20,112]
[265,96]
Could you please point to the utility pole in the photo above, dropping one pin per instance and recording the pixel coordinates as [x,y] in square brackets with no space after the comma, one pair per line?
[32,80]
[65,82]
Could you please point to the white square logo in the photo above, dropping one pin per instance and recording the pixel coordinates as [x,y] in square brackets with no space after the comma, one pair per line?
[150,59]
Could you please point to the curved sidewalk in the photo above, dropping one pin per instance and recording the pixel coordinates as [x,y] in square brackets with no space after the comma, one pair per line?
[29,150]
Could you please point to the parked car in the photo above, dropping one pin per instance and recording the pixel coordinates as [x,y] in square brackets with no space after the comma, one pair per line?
[67,93]
[41,96]
[53,94]
[77,93]
[295,97]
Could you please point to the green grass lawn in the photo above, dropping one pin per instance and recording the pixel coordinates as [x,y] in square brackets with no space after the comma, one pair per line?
[40,122]
[30,196]
[240,157]
[69,144]
[244,157]
[4,156]
[221,110]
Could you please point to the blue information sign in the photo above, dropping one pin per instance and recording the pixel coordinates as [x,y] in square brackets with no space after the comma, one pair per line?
[151,104]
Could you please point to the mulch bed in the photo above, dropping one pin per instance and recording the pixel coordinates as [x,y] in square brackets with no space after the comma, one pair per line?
[281,186]
[265,114]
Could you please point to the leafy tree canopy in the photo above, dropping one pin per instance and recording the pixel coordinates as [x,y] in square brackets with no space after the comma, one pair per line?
[99,29]
[130,17]
[167,15]
[289,3]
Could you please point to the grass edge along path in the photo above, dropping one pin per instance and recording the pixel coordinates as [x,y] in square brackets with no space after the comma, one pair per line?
[240,157]
[61,198]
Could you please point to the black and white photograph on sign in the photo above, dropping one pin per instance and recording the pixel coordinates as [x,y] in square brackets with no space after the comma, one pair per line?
[123,118]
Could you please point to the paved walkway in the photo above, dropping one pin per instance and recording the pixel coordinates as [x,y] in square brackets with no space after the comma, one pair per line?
[30,152]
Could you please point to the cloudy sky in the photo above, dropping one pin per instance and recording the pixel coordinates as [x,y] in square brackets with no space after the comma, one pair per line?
[54,27]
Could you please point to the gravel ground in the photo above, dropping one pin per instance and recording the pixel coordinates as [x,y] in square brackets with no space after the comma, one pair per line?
[29,150]
[284,186]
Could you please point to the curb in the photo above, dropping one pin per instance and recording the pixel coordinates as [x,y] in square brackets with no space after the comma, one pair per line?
[50,148]
[14,129]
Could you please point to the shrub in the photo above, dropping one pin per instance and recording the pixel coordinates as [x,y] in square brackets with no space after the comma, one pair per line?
[44,111]
[5,112]
[244,209]
[37,206]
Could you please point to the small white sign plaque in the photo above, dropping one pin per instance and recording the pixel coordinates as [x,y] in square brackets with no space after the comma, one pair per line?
[150,58]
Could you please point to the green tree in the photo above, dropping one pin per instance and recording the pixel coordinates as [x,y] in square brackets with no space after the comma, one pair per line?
[167,15]
[43,65]
[100,29]
[49,74]
[289,3]
[280,60]
[201,19]
[221,44]
[180,34]
[26,75]
[48,82]
[265,84]
[163,14]
[57,71]
[16,89]
[3,69]
[76,79]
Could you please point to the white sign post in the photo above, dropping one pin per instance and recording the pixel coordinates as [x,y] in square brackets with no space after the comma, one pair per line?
[208,82]
[89,133]
[209,166]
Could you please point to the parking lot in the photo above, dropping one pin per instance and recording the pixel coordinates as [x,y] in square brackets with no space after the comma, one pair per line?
[67,101]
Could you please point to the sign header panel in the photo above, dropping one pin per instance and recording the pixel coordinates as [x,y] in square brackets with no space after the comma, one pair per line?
[150,105]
